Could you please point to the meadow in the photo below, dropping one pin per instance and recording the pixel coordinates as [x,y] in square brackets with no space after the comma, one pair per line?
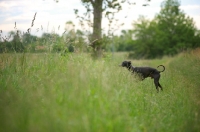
[53,93]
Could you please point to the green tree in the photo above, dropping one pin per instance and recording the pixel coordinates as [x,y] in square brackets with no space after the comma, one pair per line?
[16,42]
[179,29]
[147,38]
[96,8]
[142,36]
[125,41]
[169,33]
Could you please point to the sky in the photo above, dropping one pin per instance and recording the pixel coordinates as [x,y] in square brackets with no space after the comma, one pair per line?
[52,16]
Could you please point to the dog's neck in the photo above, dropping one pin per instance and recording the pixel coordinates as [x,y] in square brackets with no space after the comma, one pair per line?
[131,68]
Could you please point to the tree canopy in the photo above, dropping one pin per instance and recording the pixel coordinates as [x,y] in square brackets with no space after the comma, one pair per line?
[170,32]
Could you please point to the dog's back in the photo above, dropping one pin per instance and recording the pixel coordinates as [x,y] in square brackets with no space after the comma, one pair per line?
[146,71]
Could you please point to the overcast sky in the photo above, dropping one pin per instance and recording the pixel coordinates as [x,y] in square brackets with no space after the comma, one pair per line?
[51,15]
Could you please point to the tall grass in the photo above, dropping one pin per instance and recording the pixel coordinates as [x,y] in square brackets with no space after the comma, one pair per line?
[48,92]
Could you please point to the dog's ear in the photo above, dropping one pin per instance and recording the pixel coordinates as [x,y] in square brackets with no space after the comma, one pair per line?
[129,62]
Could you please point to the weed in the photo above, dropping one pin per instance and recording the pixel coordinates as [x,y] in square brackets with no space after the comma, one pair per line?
[76,93]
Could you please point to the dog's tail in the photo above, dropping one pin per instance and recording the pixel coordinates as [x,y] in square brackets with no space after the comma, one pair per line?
[163,68]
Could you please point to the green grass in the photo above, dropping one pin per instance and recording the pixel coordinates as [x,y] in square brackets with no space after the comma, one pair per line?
[48,92]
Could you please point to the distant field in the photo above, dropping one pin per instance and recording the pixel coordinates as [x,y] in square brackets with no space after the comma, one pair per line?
[49,92]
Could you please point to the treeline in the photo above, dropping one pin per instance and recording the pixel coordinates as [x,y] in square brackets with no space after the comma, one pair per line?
[170,32]
[48,42]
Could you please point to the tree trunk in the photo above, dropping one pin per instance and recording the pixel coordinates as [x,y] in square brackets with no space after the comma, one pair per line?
[97,46]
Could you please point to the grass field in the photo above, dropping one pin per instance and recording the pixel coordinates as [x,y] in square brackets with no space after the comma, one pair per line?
[72,93]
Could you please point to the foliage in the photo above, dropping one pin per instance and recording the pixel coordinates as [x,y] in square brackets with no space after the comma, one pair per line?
[179,29]
[169,33]
[97,8]
[125,41]
[48,42]
[15,45]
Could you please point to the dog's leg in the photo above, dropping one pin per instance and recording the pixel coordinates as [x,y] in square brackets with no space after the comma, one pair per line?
[156,81]
[156,84]
[160,86]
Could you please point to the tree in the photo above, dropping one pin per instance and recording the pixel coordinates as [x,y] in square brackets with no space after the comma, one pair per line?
[179,29]
[28,39]
[110,7]
[147,38]
[125,41]
[97,7]
[16,41]
[169,33]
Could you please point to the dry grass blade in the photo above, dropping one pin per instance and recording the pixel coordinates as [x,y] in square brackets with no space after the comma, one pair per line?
[33,20]
[15,26]
[64,32]
[28,30]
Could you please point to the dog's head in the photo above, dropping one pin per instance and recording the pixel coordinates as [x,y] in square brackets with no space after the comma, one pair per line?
[126,64]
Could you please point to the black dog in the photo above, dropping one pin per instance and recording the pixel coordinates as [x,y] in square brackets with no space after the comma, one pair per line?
[145,72]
